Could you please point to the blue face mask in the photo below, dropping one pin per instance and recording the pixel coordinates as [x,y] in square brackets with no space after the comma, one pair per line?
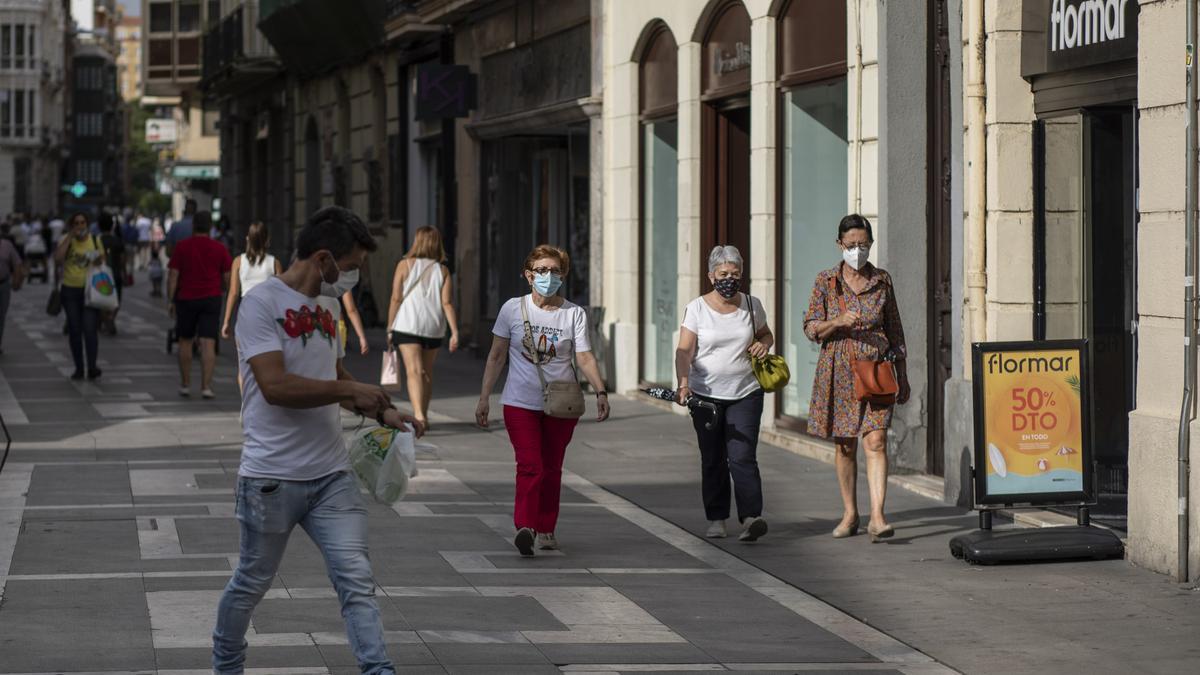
[547,284]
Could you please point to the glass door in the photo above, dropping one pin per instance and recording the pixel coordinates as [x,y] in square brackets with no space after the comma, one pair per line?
[814,200]
[660,250]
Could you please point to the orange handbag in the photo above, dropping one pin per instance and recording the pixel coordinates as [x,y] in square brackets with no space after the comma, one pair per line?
[874,381]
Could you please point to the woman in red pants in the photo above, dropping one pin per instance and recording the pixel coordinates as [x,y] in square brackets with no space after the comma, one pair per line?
[539,332]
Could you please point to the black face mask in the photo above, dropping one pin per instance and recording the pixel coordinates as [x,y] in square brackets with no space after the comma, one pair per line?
[727,287]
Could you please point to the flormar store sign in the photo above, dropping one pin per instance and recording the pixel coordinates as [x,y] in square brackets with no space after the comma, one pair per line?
[1081,33]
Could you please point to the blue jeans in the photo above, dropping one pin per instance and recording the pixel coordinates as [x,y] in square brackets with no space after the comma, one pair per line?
[331,511]
[82,323]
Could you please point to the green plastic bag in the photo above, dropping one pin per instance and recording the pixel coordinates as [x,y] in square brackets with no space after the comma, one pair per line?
[771,371]
[384,459]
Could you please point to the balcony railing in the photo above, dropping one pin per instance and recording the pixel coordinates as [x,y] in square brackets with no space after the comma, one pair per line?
[235,39]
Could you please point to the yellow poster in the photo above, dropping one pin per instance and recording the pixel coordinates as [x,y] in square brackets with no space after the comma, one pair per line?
[1034,422]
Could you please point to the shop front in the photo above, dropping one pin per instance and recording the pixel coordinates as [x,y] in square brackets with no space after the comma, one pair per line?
[1080,59]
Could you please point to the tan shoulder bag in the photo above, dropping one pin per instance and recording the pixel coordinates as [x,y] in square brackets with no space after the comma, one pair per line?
[559,399]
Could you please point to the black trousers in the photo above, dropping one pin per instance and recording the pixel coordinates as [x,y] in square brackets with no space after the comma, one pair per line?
[82,322]
[730,450]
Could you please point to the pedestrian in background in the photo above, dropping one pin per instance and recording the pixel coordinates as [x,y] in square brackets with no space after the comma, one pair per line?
[852,313]
[12,275]
[154,270]
[115,254]
[721,330]
[199,274]
[249,270]
[181,229]
[421,309]
[294,466]
[543,332]
[77,252]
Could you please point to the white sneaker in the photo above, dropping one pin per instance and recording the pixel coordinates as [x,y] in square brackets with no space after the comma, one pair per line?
[524,542]
[547,542]
[753,528]
[185,391]
[716,530]
[207,393]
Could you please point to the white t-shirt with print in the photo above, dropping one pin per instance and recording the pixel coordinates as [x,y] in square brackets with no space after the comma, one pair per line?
[721,368]
[289,443]
[558,334]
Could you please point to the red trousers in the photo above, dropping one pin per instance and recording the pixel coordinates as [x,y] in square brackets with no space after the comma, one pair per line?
[539,442]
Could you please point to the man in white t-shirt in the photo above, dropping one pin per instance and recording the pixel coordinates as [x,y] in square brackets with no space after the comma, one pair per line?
[295,469]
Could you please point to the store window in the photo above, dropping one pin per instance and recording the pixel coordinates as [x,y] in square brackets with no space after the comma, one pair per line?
[658,77]
[813,169]
[189,16]
[161,15]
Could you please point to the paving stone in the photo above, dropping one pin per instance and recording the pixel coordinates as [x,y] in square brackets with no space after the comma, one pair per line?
[65,624]
[545,578]
[256,657]
[61,485]
[208,535]
[486,655]
[477,613]
[76,546]
[510,669]
[315,615]
[624,653]
[400,654]
[206,583]
[185,565]
[209,481]
[128,513]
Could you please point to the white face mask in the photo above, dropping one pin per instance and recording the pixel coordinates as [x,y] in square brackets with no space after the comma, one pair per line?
[855,257]
[343,285]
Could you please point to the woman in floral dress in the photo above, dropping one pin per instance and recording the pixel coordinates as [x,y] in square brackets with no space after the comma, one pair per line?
[869,328]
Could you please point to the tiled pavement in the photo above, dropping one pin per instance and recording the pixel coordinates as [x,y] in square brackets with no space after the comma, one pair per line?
[116,536]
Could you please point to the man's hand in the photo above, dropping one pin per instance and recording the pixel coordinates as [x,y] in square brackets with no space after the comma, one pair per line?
[369,399]
[395,419]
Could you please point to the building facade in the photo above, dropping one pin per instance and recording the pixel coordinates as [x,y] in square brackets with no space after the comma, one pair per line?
[172,34]
[507,161]
[761,124]
[98,125]
[1074,227]
[32,105]
[129,58]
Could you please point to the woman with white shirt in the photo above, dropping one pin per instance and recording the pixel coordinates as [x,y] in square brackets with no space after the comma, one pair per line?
[541,336]
[712,363]
[249,270]
[421,309]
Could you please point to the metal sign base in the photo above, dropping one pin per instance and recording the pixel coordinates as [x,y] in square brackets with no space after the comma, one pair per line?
[1015,545]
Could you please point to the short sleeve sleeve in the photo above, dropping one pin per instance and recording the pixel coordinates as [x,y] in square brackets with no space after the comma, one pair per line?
[760,315]
[257,328]
[504,320]
[582,342]
[690,320]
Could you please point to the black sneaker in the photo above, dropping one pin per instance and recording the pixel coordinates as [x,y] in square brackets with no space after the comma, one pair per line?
[77,375]
[524,541]
[94,374]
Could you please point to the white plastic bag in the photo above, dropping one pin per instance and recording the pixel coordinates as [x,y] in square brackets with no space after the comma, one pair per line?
[101,292]
[384,459]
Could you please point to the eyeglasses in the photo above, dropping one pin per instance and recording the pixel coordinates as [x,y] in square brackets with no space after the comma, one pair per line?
[861,247]
[545,270]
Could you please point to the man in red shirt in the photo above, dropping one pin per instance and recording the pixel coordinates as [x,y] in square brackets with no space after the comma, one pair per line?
[199,276]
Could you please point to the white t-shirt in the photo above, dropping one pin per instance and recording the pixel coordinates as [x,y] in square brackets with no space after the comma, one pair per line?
[558,334]
[143,229]
[289,443]
[721,368]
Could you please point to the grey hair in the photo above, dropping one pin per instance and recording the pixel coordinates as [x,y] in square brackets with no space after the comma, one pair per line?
[722,255]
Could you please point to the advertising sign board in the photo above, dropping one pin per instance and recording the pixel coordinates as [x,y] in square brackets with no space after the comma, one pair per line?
[161,131]
[1032,423]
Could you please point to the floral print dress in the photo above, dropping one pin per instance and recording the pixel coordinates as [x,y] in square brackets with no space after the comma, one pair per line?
[833,410]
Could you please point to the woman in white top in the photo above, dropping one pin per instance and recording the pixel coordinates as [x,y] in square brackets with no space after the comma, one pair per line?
[419,313]
[249,270]
[721,331]
[539,330]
